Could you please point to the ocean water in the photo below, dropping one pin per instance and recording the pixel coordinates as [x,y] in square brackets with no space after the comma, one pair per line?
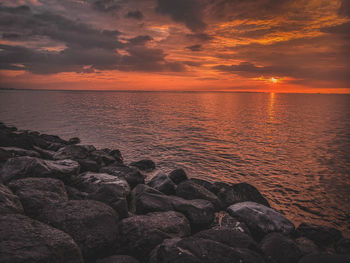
[295,148]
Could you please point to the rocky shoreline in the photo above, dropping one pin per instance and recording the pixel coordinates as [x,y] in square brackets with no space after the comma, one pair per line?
[62,201]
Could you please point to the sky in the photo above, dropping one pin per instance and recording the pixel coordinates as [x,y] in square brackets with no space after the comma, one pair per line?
[197,45]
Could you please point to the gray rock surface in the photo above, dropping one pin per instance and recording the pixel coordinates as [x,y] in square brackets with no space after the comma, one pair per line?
[9,202]
[162,183]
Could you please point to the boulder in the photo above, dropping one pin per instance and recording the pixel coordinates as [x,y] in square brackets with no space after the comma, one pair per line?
[45,154]
[36,193]
[92,225]
[260,219]
[102,158]
[88,165]
[307,246]
[162,183]
[241,192]
[322,235]
[278,248]
[140,234]
[75,194]
[178,176]
[9,203]
[118,259]
[74,140]
[15,151]
[325,258]
[53,139]
[131,175]
[22,167]
[190,190]
[73,152]
[199,250]
[4,155]
[24,240]
[343,246]
[144,165]
[90,182]
[223,220]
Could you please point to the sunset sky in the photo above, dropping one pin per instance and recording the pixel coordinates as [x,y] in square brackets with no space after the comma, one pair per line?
[245,45]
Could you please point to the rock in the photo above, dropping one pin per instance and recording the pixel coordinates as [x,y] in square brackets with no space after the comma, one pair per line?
[223,220]
[140,234]
[53,139]
[45,154]
[260,219]
[307,246]
[102,158]
[88,165]
[114,196]
[131,175]
[322,236]
[325,258]
[90,182]
[198,250]
[73,152]
[15,151]
[207,185]
[75,194]
[178,175]
[241,192]
[190,190]
[36,193]
[343,246]
[162,183]
[22,167]
[24,140]
[116,154]
[24,240]
[4,155]
[92,225]
[229,237]
[118,259]
[9,203]
[280,249]
[144,165]
[74,140]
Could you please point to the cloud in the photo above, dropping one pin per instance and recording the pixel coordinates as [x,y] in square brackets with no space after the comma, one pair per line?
[106,6]
[195,47]
[345,8]
[135,15]
[140,40]
[200,36]
[189,12]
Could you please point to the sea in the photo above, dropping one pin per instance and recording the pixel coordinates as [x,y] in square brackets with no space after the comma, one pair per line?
[294,148]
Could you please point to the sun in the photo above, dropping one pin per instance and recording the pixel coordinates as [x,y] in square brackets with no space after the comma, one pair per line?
[273,80]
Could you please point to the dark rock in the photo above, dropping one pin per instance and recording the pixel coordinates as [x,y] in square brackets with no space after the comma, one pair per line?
[75,194]
[53,139]
[178,175]
[21,140]
[4,155]
[144,165]
[89,148]
[118,259]
[46,154]
[88,165]
[307,246]
[92,225]
[223,220]
[22,167]
[131,175]
[140,234]
[102,158]
[209,186]
[343,246]
[114,196]
[241,192]
[322,235]
[90,182]
[9,203]
[15,151]
[325,258]
[73,152]
[74,140]
[117,155]
[24,240]
[260,219]
[190,190]
[162,183]
[198,250]
[36,193]
[219,186]
[280,249]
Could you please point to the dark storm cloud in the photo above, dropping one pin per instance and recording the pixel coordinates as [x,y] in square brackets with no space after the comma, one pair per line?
[195,47]
[135,15]
[189,12]
[140,40]
[200,36]
[344,8]
[342,30]
[107,6]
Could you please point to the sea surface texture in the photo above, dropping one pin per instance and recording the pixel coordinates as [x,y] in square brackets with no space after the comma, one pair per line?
[295,148]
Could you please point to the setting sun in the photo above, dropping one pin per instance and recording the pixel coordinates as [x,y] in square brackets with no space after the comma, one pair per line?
[274,80]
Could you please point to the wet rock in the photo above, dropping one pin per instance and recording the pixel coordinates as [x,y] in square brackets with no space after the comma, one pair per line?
[4,155]
[114,196]
[45,154]
[9,203]
[74,140]
[307,246]
[198,250]
[24,140]
[15,151]
[117,155]
[325,258]
[162,183]
[90,182]
[223,220]
[22,167]
[140,234]
[101,157]
[322,236]
[53,139]
[88,165]
[260,219]
[207,185]
[241,192]
[92,225]
[73,152]
[190,190]
[24,240]
[118,259]
[131,175]
[144,165]
[343,246]
[178,176]
[36,193]
[278,248]
[75,194]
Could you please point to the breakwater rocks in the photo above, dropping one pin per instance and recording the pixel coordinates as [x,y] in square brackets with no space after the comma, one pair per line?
[61,201]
